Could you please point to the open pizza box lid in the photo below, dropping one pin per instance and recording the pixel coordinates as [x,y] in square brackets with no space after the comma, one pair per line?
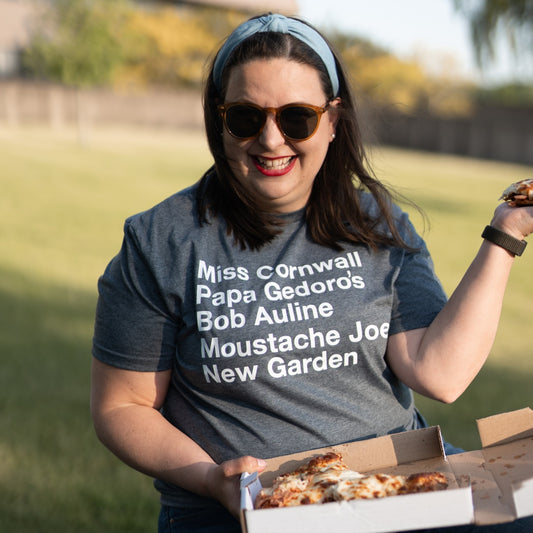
[501,472]
[402,453]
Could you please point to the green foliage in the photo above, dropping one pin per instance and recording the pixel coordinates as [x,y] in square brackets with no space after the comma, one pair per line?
[511,95]
[489,17]
[117,42]
[78,42]
[126,44]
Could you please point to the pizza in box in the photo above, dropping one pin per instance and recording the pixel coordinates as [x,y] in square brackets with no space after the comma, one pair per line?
[326,478]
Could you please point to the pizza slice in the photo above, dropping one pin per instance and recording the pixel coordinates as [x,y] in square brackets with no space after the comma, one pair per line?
[305,485]
[326,478]
[519,193]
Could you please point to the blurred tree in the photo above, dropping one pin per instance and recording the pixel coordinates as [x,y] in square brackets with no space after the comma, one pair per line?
[489,17]
[510,95]
[101,42]
[404,86]
[172,45]
[78,42]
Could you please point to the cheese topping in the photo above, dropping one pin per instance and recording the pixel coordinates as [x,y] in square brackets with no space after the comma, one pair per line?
[327,479]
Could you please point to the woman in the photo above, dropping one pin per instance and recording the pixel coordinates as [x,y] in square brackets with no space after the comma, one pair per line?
[275,307]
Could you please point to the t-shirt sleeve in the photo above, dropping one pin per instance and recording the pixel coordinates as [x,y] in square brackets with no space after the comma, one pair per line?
[134,329]
[418,295]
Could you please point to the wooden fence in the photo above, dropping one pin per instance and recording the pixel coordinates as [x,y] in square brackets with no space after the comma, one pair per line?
[59,107]
[504,134]
[491,133]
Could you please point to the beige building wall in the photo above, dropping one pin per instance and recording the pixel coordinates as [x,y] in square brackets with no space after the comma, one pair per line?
[15,29]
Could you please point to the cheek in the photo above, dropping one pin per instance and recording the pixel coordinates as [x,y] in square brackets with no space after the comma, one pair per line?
[237,156]
[232,150]
[317,153]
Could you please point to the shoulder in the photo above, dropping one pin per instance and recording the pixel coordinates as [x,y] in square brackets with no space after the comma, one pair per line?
[175,217]
[180,206]
[370,206]
[172,230]
[400,218]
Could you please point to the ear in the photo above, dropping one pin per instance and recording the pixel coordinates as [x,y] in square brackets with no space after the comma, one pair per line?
[333,115]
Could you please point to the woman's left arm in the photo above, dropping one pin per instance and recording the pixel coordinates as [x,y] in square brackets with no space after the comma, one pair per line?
[440,361]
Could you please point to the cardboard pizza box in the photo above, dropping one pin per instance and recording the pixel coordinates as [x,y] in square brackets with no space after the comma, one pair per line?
[402,453]
[488,486]
[501,472]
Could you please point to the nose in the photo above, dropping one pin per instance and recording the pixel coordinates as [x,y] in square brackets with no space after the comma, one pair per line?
[271,136]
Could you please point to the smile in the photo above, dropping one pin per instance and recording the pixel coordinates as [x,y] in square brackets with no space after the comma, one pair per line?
[274,167]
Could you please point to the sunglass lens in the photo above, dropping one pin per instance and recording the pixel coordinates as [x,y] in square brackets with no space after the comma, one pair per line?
[244,121]
[298,122]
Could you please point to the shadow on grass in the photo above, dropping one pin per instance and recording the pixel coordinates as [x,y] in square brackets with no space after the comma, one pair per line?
[54,474]
[497,389]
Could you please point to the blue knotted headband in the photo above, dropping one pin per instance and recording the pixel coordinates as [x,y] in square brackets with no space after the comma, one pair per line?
[280,24]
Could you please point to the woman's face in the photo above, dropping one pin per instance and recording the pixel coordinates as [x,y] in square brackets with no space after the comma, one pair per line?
[275,170]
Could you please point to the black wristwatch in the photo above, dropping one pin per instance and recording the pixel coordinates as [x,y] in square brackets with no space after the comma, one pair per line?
[504,240]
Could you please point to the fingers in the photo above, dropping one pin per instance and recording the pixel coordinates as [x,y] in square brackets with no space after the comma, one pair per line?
[242,464]
[224,480]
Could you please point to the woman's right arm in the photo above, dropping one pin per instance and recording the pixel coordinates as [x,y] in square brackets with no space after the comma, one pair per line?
[125,409]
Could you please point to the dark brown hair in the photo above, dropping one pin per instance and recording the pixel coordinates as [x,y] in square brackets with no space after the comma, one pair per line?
[334,213]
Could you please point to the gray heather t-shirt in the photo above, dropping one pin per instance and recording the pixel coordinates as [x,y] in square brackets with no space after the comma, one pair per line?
[272,351]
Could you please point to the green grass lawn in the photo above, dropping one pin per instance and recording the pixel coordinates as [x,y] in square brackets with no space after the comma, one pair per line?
[62,207]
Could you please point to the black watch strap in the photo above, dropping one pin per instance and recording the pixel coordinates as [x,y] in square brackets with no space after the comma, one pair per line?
[504,240]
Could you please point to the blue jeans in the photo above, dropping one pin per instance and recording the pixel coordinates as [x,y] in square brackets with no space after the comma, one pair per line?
[218,520]
[215,519]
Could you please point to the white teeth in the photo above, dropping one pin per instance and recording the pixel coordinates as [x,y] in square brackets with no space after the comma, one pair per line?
[271,164]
